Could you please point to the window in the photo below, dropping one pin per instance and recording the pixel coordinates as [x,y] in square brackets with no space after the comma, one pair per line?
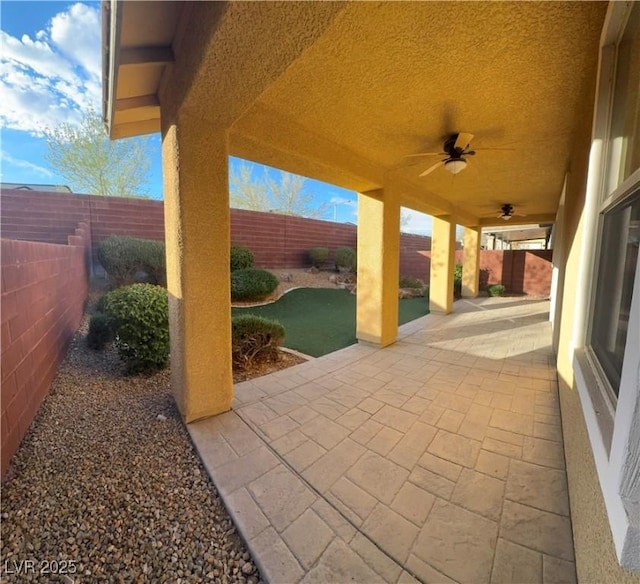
[616,275]
[606,361]
[624,138]
[619,209]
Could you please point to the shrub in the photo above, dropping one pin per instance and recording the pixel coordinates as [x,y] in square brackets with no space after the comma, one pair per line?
[101,305]
[153,260]
[457,280]
[346,259]
[496,290]
[254,338]
[319,256]
[410,282]
[140,317]
[123,257]
[100,331]
[252,284]
[240,258]
[120,258]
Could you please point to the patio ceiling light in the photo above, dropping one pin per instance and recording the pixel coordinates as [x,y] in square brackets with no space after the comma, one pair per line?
[455,165]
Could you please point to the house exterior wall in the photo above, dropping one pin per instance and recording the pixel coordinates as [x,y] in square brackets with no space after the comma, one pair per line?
[44,287]
[596,559]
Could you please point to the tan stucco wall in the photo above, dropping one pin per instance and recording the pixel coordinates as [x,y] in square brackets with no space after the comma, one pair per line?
[596,560]
[471,263]
[378,267]
[197,239]
[443,257]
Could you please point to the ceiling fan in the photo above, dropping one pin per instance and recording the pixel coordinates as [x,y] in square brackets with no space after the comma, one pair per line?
[507,212]
[456,147]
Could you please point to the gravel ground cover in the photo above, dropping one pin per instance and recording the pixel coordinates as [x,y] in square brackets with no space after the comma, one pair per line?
[107,481]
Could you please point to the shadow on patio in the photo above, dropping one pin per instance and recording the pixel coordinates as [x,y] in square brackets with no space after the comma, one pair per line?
[439,458]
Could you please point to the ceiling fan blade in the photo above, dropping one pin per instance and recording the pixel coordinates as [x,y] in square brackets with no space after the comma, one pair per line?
[432,168]
[425,154]
[494,150]
[463,140]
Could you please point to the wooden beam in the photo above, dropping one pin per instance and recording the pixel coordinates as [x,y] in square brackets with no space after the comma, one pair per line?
[145,56]
[139,101]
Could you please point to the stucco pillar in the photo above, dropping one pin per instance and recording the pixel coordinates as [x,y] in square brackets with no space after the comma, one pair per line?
[197,234]
[471,263]
[378,267]
[443,257]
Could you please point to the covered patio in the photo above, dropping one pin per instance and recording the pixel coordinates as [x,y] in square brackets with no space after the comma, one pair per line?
[434,449]
[438,458]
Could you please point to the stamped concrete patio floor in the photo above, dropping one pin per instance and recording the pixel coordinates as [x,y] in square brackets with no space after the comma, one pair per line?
[437,459]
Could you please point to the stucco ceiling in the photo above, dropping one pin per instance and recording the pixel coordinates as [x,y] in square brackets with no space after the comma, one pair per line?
[386,79]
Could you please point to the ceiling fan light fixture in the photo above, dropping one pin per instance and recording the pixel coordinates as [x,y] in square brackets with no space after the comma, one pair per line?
[505,217]
[456,165]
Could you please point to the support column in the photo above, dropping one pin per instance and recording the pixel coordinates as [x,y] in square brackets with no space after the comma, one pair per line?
[197,235]
[471,263]
[378,267]
[443,257]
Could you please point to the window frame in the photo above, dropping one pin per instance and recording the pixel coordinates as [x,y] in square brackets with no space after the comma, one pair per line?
[610,423]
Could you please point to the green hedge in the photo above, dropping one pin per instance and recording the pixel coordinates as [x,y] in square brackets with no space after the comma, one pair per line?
[123,257]
[318,256]
[346,259]
[252,284]
[496,290]
[120,258]
[457,280]
[140,317]
[240,258]
[153,260]
[100,331]
[254,338]
[410,282]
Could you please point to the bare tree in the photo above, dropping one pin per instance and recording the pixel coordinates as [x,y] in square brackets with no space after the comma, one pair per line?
[93,164]
[277,192]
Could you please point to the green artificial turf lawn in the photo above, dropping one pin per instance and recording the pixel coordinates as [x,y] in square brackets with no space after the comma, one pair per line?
[321,320]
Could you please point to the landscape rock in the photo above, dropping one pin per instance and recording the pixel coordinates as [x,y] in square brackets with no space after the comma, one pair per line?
[91,484]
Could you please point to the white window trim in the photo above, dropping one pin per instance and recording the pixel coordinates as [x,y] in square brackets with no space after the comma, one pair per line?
[615,438]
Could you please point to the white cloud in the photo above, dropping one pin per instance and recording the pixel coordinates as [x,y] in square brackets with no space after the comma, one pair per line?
[53,78]
[76,34]
[25,164]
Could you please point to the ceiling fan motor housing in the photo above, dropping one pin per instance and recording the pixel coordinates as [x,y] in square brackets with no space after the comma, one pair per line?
[450,147]
[507,211]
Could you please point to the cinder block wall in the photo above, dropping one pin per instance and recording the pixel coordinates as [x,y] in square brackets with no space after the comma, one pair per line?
[282,241]
[44,288]
[520,271]
[278,241]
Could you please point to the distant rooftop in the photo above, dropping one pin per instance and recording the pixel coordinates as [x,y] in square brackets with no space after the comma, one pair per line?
[36,187]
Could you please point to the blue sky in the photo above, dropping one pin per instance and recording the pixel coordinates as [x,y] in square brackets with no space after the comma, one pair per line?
[50,71]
